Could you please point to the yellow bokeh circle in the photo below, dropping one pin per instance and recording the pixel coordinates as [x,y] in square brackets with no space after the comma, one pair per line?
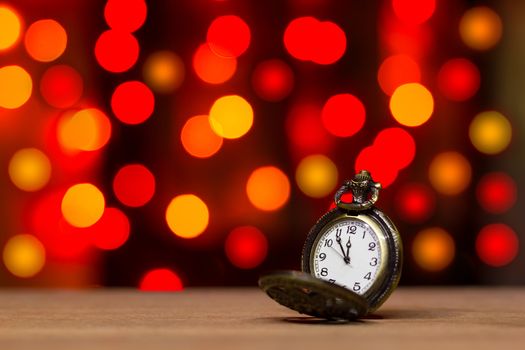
[29,169]
[480,28]
[433,249]
[316,176]
[83,205]
[231,116]
[187,216]
[9,28]
[24,255]
[450,173]
[411,104]
[15,86]
[268,188]
[163,71]
[490,132]
[45,40]
[85,130]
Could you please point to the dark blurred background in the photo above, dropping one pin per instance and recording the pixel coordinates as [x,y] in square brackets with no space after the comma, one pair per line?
[166,144]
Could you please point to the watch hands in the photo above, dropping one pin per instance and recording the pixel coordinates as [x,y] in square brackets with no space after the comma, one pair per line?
[348,245]
[338,239]
[342,256]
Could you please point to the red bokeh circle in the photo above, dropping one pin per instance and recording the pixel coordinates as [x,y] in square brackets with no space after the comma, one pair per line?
[161,280]
[496,192]
[61,86]
[126,15]
[116,50]
[132,102]
[246,247]
[134,185]
[458,79]
[415,203]
[343,115]
[272,80]
[497,245]
[111,231]
[228,36]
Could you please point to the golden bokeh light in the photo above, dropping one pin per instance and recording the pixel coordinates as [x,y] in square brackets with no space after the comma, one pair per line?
[433,249]
[480,28]
[450,173]
[316,176]
[490,132]
[86,130]
[29,169]
[268,188]
[411,104]
[187,216]
[45,40]
[231,116]
[163,71]
[24,256]
[9,28]
[15,86]
[83,205]
[198,139]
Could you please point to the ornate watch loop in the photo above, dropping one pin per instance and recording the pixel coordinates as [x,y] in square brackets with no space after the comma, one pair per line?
[365,192]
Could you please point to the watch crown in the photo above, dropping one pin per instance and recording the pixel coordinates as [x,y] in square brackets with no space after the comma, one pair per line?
[365,192]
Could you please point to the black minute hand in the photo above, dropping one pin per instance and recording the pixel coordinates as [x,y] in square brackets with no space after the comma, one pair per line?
[347,255]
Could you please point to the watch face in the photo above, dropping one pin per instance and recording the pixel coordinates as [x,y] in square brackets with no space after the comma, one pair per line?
[348,253]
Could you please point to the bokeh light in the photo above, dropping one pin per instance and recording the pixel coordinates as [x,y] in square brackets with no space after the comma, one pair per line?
[450,173]
[125,15]
[458,79]
[231,116]
[198,138]
[111,231]
[382,168]
[45,40]
[433,249]
[305,129]
[496,192]
[163,71]
[316,176]
[132,102]
[161,280]
[246,247]
[228,36]
[9,27]
[480,28]
[490,132]
[187,216]
[414,11]
[212,68]
[15,86]
[29,169]
[497,245]
[134,185]
[116,51]
[343,115]
[61,86]
[83,205]
[268,188]
[273,80]
[24,255]
[397,70]
[415,203]
[411,104]
[85,130]
[397,147]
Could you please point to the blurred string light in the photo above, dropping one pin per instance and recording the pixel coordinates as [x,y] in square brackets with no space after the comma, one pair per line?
[433,249]
[458,79]
[10,27]
[316,176]
[497,245]
[187,216]
[490,132]
[305,129]
[496,192]
[228,36]
[29,169]
[163,71]
[125,15]
[84,130]
[411,104]
[260,181]
[343,115]
[246,247]
[116,51]
[415,202]
[132,102]
[15,86]
[111,231]
[83,205]
[45,40]
[273,80]
[480,28]
[231,116]
[61,86]
[308,39]
[134,185]
[161,280]
[198,138]
[212,68]
[450,173]
[397,70]
[24,255]
[414,12]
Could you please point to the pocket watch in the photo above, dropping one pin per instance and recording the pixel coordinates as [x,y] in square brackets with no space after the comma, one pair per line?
[351,260]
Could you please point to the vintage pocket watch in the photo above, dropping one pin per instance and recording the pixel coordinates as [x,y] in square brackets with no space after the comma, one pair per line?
[351,259]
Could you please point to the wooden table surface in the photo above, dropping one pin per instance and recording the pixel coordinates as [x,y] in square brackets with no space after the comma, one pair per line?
[413,318]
